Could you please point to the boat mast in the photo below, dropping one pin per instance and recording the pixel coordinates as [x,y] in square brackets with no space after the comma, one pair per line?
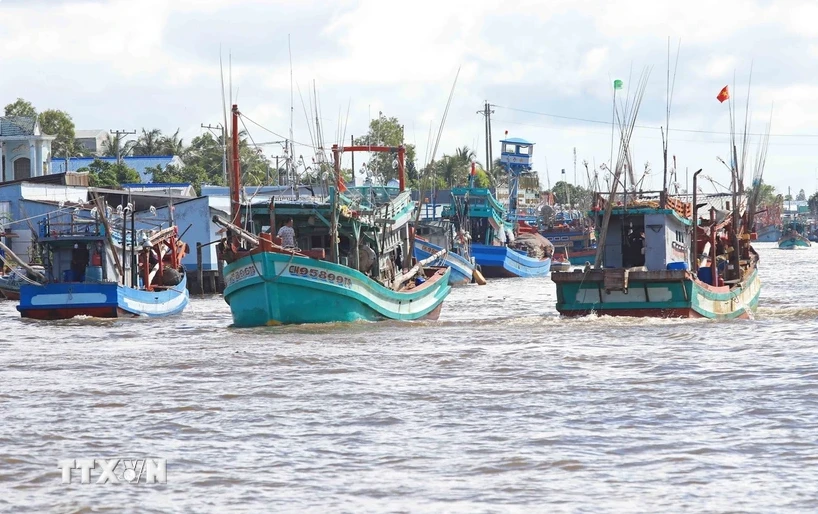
[235,172]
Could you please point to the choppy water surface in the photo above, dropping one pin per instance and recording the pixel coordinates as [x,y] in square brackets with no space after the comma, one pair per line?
[499,406]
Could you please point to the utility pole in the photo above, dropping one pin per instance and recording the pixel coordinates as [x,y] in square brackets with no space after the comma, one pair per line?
[224,147]
[487,112]
[352,142]
[575,165]
[118,133]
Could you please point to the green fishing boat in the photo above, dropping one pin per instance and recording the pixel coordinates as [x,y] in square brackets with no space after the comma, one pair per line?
[349,259]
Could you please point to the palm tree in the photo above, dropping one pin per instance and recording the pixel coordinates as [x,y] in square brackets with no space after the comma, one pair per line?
[116,146]
[172,145]
[149,143]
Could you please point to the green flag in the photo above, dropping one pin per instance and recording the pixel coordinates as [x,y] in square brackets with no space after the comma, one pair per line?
[617,84]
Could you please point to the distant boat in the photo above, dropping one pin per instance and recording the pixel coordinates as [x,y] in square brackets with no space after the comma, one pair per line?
[569,233]
[91,270]
[793,237]
[10,283]
[494,245]
[351,261]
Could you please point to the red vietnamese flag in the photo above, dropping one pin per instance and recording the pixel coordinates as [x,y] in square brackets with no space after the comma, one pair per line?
[341,185]
[723,95]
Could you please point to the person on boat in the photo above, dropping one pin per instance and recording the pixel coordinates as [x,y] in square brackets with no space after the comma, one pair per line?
[287,234]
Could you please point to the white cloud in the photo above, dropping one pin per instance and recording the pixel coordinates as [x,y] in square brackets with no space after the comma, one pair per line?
[154,63]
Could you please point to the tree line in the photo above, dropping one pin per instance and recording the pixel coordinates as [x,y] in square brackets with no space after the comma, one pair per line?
[202,157]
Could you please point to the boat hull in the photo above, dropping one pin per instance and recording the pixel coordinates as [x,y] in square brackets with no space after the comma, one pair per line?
[269,288]
[501,261]
[462,271]
[66,300]
[792,243]
[10,293]
[660,294]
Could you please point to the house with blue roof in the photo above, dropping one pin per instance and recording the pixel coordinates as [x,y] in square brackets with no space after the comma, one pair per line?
[139,163]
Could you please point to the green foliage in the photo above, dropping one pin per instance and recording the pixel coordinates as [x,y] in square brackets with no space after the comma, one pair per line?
[482,179]
[579,196]
[149,143]
[106,174]
[58,123]
[193,174]
[205,151]
[153,142]
[115,144]
[385,131]
[21,108]
[813,204]
[802,196]
[766,194]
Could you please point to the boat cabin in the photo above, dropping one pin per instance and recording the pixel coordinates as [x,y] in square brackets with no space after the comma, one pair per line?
[640,234]
[480,214]
[78,251]
[516,153]
[373,235]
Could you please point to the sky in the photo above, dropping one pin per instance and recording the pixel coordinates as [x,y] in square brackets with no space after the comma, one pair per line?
[546,66]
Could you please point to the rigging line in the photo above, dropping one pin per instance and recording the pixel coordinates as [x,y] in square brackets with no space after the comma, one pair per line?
[262,127]
[637,136]
[600,122]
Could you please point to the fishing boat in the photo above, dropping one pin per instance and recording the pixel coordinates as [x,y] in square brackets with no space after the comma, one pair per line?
[93,268]
[650,273]
[351,258]
[661,259]
[494,245]
[569,234]
[11,281]
[793,236]
[501,244]
[432,236]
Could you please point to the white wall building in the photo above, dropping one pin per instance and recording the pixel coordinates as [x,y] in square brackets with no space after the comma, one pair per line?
[25,151]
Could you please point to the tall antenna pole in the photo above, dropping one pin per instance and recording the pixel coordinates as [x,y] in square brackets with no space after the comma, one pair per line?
[290,170]
[235,181]
[575,165]
[119,142]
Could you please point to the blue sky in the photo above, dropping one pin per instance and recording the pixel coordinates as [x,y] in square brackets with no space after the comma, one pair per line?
[155,63]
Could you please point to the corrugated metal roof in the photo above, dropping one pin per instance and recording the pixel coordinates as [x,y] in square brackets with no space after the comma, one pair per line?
[16,126]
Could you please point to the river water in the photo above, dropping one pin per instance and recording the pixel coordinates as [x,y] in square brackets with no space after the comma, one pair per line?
[500,406]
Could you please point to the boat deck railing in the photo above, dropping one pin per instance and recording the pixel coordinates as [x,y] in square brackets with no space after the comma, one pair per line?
[644,200]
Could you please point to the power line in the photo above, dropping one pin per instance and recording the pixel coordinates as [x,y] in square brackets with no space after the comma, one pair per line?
[638,136]
[262,127]
[608,123]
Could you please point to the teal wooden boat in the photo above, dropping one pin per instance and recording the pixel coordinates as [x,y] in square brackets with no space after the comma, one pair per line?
[351,260]
[659,282]
[793,237]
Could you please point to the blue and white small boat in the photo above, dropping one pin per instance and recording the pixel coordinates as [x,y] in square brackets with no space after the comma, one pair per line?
[494,246]
[90,272]
[433,236]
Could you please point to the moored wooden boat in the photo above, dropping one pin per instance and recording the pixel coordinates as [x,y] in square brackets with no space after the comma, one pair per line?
[462,271]
[88,273]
